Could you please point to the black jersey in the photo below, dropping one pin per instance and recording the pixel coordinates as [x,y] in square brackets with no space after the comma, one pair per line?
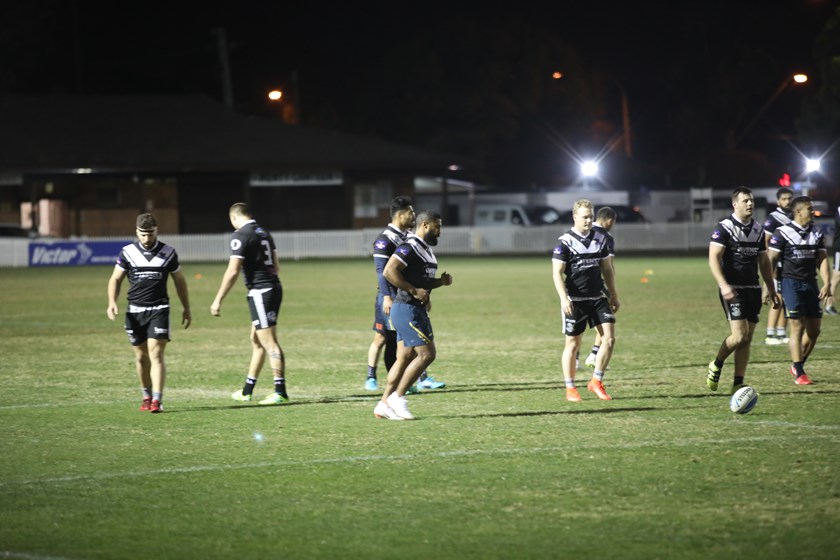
[383,247]
[776,219]
[148,271]
[610,238]
[256,248]
[420,266]
[835,241]
[742,244]
[583,256]
[798,247]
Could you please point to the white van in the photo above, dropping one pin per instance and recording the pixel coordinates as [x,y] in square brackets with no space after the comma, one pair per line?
[500,214]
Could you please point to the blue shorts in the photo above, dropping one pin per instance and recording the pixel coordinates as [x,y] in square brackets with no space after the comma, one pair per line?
[381,321]
[264,304]
[745,307]
[412,323]
[143,325]
[802,298]
[589,312]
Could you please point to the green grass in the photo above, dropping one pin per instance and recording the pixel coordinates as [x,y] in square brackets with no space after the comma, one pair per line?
[498,464]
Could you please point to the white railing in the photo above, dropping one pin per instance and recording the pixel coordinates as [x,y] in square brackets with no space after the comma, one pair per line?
[456,240]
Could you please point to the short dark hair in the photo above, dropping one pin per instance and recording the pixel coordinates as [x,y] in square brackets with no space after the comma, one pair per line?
[799,201]
[146,222]
[399,204]
[606,213]
[240,209]
[783,190]
[739,191]
[427,216]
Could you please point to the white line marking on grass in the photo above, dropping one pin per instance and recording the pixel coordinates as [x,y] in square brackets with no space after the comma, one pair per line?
[27,556]
[401,457]
[783,424]
[222,402]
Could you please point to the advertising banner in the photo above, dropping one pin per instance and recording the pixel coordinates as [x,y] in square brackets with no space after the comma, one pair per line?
[74,253]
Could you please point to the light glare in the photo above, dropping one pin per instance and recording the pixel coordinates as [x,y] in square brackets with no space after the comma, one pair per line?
[589,168]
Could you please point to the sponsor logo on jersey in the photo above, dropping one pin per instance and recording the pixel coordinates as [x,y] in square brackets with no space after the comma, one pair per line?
[235,244]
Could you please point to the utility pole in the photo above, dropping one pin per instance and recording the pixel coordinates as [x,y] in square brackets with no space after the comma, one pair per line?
[224,61]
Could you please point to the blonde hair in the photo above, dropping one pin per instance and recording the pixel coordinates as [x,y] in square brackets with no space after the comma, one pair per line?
[582,203]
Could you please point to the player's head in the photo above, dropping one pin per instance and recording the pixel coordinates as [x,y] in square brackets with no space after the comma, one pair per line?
[239,214]
[743,202]
[783,198]
[402,212]
[428,226]
[147,230]
[582,214]
[606,217]
[802,209]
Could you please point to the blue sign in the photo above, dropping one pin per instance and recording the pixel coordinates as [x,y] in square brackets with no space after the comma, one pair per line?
[74,253]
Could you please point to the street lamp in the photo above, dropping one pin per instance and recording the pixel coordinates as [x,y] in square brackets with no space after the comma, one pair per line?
[795,79]
[812,165]
[625,117]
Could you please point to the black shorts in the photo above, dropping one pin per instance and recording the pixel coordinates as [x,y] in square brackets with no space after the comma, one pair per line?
[381,321]
[745,307]
[140,326]
[585,313]
[264,304]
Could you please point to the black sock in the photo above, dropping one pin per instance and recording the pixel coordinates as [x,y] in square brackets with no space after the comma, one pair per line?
[280,387]
[249,386]
[739,380]
[595,349]
[718,363]
[371,372]
[390,354]
[798,366]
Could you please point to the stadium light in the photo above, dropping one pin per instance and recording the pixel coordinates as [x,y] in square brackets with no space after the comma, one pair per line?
[812,165]
[589,168]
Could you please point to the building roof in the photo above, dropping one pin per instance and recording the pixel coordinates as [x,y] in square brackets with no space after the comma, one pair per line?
[189,133]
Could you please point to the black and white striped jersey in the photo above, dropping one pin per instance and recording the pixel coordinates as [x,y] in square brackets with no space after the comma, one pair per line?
[798,247]
[583,256]
[148,271]
[383,247]
[420,266]
[742,243]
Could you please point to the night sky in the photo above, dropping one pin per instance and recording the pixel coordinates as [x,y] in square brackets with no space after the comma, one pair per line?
[340,55]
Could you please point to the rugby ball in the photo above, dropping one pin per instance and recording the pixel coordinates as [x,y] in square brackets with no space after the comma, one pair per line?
[743,400]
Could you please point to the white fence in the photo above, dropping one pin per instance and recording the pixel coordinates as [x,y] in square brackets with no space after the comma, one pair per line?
[459,240]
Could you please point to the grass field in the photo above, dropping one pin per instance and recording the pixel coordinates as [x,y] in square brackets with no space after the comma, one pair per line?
[498,464]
